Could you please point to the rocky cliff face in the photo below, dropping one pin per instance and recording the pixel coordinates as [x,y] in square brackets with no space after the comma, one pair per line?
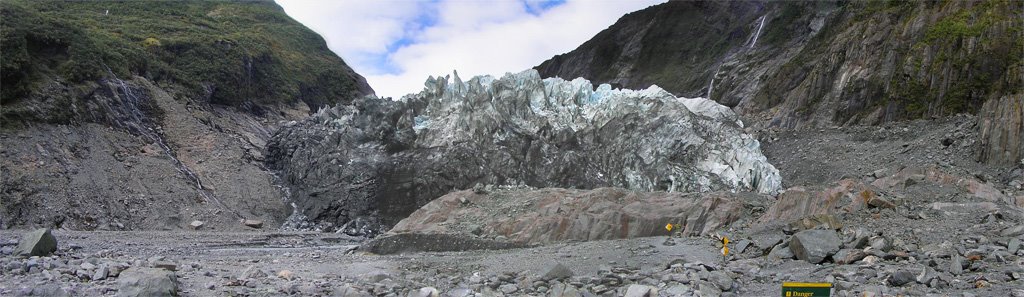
[799,64]
[1002,131]
[376,161]
[149,115]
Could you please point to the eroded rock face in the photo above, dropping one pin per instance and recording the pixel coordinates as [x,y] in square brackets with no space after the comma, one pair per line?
[375,161]
[1002,131]
[527,217]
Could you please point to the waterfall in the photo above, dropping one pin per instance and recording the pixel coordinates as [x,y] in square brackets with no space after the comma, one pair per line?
[758,30]
[711,86]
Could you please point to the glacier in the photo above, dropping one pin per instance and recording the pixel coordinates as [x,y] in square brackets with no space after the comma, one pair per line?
[378,159]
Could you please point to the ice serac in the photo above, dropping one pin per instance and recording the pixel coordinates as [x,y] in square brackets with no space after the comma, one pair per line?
[376,161]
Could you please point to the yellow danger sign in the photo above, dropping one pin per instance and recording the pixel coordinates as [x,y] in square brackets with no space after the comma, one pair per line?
[669,227]
[725,246]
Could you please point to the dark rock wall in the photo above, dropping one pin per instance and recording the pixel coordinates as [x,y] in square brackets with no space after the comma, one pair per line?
[814,63]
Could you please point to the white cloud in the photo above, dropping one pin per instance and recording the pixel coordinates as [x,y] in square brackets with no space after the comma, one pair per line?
[434,38]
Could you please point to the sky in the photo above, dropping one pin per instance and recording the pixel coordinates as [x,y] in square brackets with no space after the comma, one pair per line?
[397,44]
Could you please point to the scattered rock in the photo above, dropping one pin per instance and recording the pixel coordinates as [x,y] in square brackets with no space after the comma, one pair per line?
[641,291]
[253,273]
[879,202]
[348,291]
[147,282]
[880,243]
[956,265]
[251,223]
[479,189]
[425,292]
[288,288]
[883,173]
[814,245]
[1013,245]
[286,274]
[781,251]
[826,221]
[562,290]
[39,242]
[101,273]
[508,288]
[1013,231]
[678,290]
[861,238]
[900,278]
[169,266]
[741,246]
[47,290]
[721,279]
[925,276]
[195,225]
[848,256]
[557,271]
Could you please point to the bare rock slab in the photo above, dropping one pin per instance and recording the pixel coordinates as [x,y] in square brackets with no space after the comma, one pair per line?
[253,223]
[557,271]
[635,290]
[147,282]
[814,245]
[39,242]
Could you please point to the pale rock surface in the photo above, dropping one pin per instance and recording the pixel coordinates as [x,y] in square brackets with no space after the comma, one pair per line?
[555,215]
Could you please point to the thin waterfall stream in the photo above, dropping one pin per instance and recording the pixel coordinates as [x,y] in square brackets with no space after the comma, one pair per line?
[758,30]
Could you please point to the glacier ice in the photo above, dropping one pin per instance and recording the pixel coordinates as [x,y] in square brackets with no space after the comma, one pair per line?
[383,159]
[576,105]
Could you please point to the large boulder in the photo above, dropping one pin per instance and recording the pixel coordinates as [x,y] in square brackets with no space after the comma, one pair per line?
[527,217]
[39,242]
[147,282]
[814,245]
[376,161]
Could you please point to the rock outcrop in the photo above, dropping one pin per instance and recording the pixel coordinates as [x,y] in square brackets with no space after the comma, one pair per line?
[375,161]
[529,217]
[1001,123]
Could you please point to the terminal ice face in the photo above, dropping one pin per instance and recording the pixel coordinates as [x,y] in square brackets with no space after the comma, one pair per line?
[383,159]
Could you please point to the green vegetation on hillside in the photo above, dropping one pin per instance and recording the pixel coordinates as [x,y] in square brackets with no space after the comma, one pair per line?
[230,53]
[978,43]
[946,57]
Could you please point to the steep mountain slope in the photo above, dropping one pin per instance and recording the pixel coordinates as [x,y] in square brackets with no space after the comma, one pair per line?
[805,64]
[149,115]
[236,54]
